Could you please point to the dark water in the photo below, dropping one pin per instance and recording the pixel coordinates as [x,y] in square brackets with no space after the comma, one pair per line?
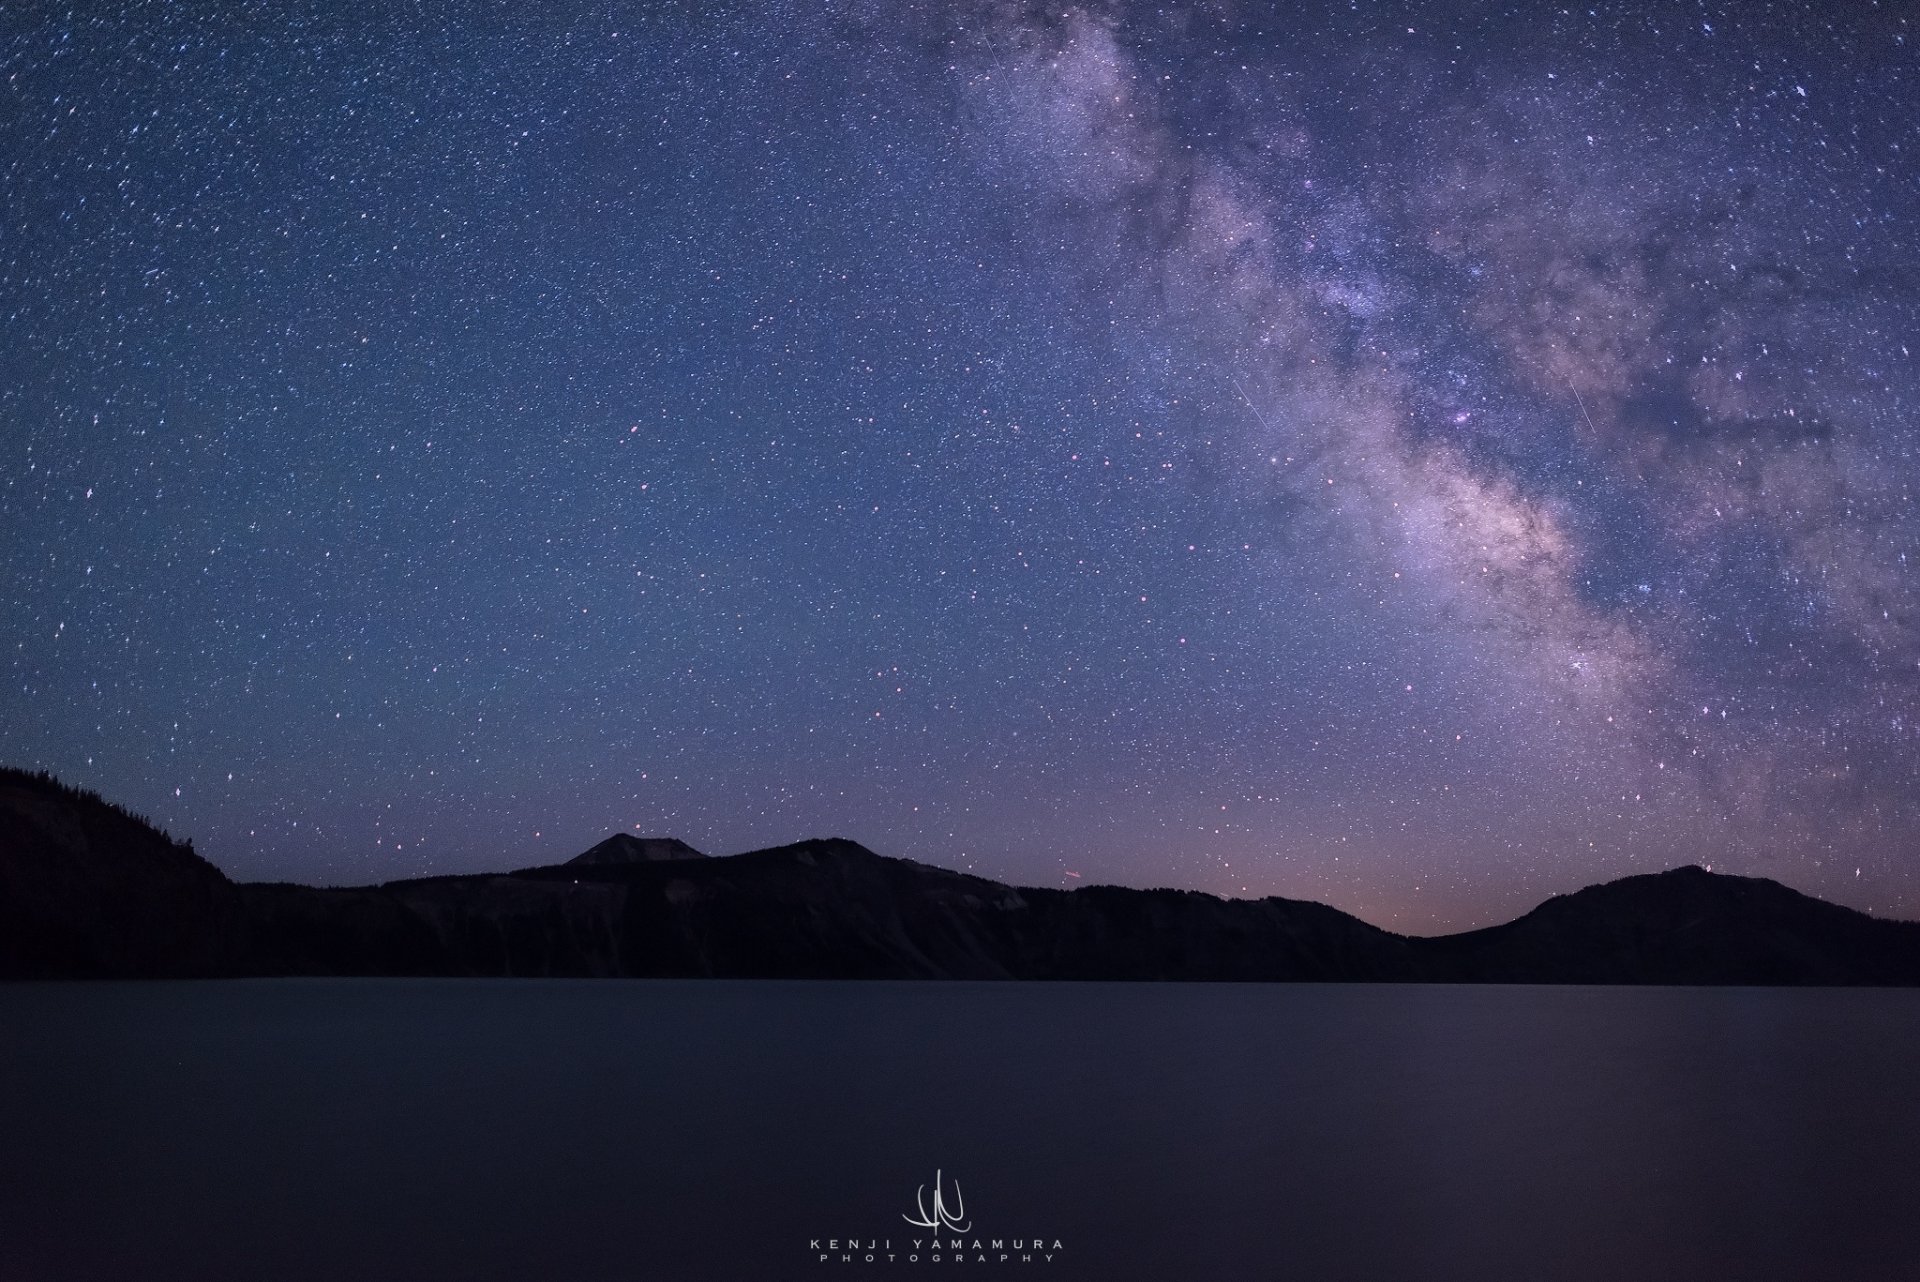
[656,1130]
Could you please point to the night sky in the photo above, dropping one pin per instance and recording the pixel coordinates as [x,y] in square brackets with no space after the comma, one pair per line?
[1415,457]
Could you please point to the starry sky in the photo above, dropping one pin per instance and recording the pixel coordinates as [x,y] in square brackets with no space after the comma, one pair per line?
[1419,457]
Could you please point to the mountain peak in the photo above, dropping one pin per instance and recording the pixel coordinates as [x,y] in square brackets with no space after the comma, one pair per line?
[624,848]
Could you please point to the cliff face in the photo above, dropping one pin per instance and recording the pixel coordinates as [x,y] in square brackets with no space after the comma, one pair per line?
[89,891]
[835,909]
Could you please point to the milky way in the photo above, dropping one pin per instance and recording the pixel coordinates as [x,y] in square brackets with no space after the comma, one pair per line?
[1419,457]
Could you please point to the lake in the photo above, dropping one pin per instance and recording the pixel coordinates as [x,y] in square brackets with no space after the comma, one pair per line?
[612,1129]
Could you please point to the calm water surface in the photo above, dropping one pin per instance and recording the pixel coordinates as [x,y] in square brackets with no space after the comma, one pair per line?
[379,1129]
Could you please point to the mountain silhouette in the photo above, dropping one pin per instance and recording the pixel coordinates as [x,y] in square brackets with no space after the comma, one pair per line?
[88,890]
[623,849]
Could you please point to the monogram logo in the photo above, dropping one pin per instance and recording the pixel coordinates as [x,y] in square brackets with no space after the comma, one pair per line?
[938,1217]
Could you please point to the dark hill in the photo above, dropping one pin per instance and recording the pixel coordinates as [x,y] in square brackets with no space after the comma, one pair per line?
[87,890]
[1686,926]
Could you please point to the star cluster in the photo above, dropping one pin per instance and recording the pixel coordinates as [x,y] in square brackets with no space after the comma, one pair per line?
[1415,456]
